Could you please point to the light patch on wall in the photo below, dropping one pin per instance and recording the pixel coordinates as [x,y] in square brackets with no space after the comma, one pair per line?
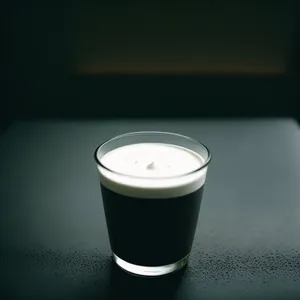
[218,37]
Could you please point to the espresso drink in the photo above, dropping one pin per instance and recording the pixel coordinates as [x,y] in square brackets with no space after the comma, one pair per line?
[151,195]
[151,232]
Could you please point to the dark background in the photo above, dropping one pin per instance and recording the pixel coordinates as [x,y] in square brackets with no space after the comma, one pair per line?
[102,59]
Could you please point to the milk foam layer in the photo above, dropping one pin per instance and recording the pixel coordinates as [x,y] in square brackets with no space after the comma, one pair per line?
[152,170]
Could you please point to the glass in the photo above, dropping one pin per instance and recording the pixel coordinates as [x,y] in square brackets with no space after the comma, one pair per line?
[151,221]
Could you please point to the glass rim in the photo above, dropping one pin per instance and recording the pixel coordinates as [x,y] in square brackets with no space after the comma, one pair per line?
[207,161]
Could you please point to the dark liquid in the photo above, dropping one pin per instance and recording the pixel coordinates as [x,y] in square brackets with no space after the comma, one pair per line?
[151,232]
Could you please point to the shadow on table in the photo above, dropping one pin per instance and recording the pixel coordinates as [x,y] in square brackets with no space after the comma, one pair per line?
[125,286]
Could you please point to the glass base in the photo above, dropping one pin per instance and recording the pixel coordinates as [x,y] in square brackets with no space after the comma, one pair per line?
[150,271]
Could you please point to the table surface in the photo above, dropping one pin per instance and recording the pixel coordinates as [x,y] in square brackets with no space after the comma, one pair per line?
[54,242]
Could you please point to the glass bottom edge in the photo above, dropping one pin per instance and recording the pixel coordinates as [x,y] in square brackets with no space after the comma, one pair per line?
[150,271]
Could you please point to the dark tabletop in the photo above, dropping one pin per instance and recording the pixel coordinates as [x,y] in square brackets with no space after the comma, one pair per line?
[54,243]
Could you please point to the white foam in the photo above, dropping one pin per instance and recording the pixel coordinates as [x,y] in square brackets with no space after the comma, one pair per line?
[152,170]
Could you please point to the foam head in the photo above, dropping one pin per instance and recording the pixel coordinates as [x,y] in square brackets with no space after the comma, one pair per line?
[152,170]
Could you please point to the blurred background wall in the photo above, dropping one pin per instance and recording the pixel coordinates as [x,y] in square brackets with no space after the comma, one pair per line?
[99,59]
